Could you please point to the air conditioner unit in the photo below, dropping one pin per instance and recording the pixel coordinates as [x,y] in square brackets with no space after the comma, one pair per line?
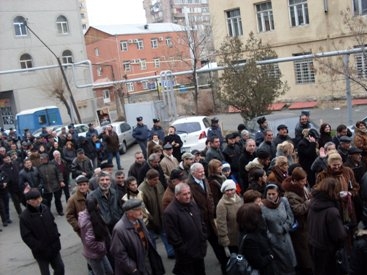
[160,39]
[130,41]
[136,41]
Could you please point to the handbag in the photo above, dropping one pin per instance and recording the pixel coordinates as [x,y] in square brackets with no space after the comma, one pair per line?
[238,265]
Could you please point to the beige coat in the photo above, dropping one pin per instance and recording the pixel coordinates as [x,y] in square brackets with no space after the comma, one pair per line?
[228,232]
[168,164]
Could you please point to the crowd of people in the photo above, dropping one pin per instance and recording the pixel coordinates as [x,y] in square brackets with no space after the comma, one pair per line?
[294,202]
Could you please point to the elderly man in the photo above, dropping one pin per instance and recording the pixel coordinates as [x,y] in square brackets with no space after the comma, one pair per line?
[39,232]
[131,246]
[180,217]
[52,183]
[108,201]
[169,162]
[177,176]
[203,197]
[152,191]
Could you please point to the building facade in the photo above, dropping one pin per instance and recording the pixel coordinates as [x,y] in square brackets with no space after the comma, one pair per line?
[83,9]
[191,13]
[123,52]
[292,28]
[25,82]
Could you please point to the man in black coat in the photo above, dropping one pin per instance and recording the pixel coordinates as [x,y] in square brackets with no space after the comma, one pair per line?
[39,232]
[176,142]
[186,231]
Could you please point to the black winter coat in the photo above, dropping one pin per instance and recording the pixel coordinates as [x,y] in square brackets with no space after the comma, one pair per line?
[256,249]
[39,232]
[186,231]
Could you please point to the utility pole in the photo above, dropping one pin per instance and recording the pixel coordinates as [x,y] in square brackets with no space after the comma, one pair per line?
[62,73]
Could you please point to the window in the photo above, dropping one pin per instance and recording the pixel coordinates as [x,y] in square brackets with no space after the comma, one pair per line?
[67,57]
[169,42]
[234,23]
[26,61]
[96,51]
[99,70]
[130,86]
[157,62]
[124,46]
[360,7]
[82,15]
[304,70]
[265,19]
[361,64]
[143,64]
[140,44]
[106,96]
[62,25]
[154,43]
[20,26]
[84,26]
[127,66]
[298,11]
[145,84]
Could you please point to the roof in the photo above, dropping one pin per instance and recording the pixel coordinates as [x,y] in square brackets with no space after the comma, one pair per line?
[31,111]
[139,28]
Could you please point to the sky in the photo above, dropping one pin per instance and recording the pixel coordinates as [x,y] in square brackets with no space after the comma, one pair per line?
[111,12]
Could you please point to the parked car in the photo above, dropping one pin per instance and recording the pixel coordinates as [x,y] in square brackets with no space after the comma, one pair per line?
[275,119]
[125,133]
[38,132]
[81,129]
[193,132]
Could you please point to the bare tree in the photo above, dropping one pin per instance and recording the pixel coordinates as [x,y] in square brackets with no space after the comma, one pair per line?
[247,86]
[55,88]
[334,68]
[198,38]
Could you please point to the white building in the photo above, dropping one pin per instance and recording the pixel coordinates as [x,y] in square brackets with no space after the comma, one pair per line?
[57,23]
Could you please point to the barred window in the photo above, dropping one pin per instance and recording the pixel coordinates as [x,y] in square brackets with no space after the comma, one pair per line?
[304,71]
[361,64]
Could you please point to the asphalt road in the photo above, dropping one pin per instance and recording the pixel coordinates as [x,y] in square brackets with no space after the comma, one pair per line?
[16,258]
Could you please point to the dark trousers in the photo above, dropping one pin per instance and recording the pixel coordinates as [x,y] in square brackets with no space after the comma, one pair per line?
[48,198]
[17,199]
[110,156]
[2,209]
[217,248]
[56,264]
[4,197]
[143,147]
[66,189]
[191,267]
